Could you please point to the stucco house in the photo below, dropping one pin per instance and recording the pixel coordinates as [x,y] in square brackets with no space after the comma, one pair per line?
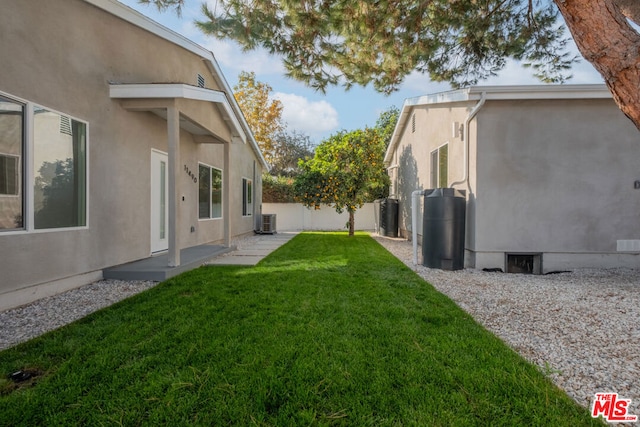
[550,173]
[119,140]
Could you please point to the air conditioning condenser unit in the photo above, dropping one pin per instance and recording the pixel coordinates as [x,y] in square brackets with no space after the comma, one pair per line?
[268,224]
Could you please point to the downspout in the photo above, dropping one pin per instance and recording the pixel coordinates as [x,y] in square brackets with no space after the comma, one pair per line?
[394,185]
[415,199]
[417,193]
[470,117]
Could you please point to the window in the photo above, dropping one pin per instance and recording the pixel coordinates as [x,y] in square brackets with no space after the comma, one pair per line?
[59,154]
[57,187]
[440,167]
[209,192]
[247,197]
[12,115]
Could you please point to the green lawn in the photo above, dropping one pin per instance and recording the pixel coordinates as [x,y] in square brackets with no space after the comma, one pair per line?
[328,330]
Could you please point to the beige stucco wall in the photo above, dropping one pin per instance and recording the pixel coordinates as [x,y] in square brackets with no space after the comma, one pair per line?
[556,177]
[433,128]
[65,63]
[546,176]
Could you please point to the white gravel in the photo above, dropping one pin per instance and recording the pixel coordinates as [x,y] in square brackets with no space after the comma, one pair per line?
[581,328]
[29,321]
[34,319]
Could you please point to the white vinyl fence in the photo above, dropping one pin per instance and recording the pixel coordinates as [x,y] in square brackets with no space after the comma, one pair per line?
[296,217]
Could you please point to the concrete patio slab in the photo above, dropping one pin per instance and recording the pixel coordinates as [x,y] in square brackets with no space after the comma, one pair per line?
[252,252]
[156,267]
[256,251]
[237,260]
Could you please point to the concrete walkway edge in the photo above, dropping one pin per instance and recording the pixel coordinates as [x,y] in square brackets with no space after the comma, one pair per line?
[261,245]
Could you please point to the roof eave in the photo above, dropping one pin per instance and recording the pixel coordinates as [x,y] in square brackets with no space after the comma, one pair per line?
[134,17]
[504,93]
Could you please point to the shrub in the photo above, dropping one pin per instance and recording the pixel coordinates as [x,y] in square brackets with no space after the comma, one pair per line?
[277,189]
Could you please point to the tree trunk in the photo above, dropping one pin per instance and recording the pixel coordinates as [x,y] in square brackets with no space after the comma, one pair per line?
[605,39]
[352,223]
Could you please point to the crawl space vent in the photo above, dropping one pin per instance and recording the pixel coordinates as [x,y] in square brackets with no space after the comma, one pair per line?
[524,263]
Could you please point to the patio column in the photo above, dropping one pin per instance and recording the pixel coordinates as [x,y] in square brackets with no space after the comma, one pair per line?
[226,194]
[173,131]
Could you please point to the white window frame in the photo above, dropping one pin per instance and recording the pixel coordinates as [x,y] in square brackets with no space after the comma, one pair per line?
[211,217]
[434,178]
[27,175]
[247,197]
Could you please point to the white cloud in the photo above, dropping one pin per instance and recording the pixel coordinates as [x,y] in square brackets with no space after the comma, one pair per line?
[231,57]
[313,118]
[422,84]
[515,74]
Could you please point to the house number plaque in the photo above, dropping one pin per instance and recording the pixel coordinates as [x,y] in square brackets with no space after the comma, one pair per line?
[191,174]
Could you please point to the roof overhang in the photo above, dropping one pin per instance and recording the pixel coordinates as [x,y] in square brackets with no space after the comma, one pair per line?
[499,93]
[146,97]
[134,17]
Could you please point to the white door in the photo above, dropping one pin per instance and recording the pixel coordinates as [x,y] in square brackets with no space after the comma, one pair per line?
[159,202]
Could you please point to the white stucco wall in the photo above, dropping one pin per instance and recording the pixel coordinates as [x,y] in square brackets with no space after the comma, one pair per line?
[296,217]
[433,128]
[556,177]
[552,176]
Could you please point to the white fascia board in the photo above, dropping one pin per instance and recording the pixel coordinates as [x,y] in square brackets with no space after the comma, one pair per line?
[500,93]
[179,91]
[529,92]
[165,90]
[395,136]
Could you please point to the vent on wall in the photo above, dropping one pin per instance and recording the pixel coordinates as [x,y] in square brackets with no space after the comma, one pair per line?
[200,80]
[524,263]
[628,245]
[65,125]
[413,123]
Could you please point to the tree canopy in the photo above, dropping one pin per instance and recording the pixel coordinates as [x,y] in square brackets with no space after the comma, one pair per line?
[386,124]
[346,171]
[263,114]
[281,147]
[328,42]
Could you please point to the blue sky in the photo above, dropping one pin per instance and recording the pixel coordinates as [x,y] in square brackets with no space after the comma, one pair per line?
[315,114]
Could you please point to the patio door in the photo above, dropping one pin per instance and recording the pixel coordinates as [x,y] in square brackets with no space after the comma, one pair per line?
[159,201]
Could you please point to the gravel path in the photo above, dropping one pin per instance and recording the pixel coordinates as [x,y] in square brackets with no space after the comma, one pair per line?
[34,319]
[581,328]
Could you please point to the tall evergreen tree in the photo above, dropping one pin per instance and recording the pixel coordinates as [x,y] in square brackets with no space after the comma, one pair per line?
[325,42]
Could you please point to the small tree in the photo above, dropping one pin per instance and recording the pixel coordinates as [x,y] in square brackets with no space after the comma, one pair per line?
[291,147]
[263,114]
[346,171]
[386,123]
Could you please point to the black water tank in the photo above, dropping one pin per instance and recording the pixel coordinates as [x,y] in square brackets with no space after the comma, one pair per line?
[389,217]
[443,228]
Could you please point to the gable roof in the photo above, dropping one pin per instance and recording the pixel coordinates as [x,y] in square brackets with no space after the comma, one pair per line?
[134,17]
[476,93]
